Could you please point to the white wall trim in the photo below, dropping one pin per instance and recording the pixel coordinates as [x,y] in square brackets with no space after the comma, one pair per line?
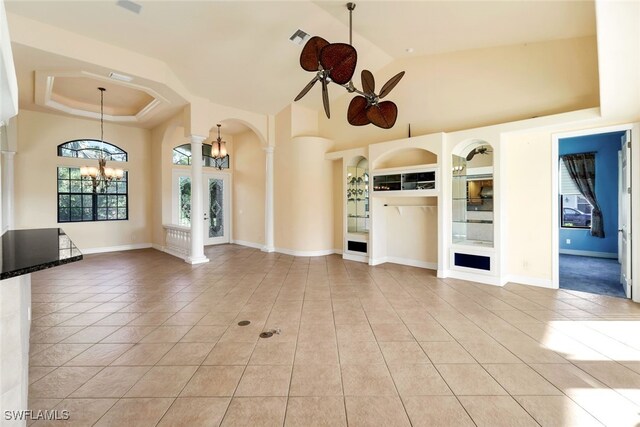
[405,261]
[248,244]
[531,281]
[613,255]
[478,278]
[292,252]
[116,248]
[555,212]
[356,258]
[412,262]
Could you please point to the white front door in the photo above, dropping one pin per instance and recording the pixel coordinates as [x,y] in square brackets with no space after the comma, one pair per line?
[624,227]
[217,208]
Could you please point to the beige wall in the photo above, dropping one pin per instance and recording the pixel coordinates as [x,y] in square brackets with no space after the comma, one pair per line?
[248,189]
[464,90]
[36,169]
[405,223]
[303,190]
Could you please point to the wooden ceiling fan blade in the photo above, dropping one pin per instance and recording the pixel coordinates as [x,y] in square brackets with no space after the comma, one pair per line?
[325,98]
[383,115]
[310,55]
[388,86]
[357,112]
[340,60]
[471,154]
[306,89]
[368,82]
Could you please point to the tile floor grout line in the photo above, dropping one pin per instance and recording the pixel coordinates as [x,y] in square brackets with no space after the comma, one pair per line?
[286,406]
[233,396]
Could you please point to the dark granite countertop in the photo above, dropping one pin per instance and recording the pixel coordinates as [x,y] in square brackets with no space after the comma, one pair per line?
[26,251]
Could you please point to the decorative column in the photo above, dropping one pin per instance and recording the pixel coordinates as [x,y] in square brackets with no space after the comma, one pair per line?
[268,202]
[197,208]
[7,190]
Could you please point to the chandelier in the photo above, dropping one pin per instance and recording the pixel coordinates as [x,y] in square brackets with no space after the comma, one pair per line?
[101,176]
[218,150]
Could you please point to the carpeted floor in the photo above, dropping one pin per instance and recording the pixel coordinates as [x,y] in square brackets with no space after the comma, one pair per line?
[588,274]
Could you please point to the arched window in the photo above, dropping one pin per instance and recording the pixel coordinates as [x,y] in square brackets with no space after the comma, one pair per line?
[92,149]
[78,200]
[182,156]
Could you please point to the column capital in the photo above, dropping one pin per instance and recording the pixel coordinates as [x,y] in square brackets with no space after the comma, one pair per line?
[269,149]
[197,139]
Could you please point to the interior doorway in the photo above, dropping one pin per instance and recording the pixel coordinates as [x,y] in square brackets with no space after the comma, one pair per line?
[593,195]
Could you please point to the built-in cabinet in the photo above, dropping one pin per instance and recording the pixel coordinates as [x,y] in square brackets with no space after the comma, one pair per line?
[405,180]
[426,201]
[472,210]
[356,242]
[358,197]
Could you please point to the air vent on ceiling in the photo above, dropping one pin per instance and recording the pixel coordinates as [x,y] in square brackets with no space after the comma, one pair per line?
[121,77]
[299,37]
[129,5]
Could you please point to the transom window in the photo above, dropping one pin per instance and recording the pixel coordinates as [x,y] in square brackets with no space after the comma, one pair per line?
[182,156]
[92,149]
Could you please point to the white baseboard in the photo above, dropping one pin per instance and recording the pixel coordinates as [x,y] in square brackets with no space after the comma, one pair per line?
[478,278]
[413,262]
[305,253]
[116,248]
[199,260]
[405,261]
[610,255]
[532,281]
[357,258]
[248,244]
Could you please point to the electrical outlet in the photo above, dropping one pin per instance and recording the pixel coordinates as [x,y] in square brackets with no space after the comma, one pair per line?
[568,241]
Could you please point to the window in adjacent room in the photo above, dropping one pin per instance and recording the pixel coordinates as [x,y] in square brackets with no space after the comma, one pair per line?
[182,156]
[575,209]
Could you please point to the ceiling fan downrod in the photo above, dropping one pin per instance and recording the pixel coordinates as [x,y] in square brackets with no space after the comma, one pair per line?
[351,6]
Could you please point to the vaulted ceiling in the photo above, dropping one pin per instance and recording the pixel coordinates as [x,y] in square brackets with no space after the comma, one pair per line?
[238,53]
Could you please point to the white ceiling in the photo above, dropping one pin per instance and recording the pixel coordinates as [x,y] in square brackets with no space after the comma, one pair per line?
[237,53]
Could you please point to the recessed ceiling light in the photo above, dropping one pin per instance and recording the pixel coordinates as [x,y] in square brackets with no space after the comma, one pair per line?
[129,5]
[299,37]
[409,50]
[121,77]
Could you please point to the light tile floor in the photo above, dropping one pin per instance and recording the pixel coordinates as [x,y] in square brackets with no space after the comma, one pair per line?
[141,338]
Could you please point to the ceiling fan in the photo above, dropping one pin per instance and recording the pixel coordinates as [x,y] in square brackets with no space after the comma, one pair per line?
[336,62]
[479,150]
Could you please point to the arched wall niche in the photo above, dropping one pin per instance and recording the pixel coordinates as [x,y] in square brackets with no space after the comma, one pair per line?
[484,158]
[405,157]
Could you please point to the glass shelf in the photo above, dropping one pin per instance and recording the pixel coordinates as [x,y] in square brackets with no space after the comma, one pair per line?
[472,200]
[358,197]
